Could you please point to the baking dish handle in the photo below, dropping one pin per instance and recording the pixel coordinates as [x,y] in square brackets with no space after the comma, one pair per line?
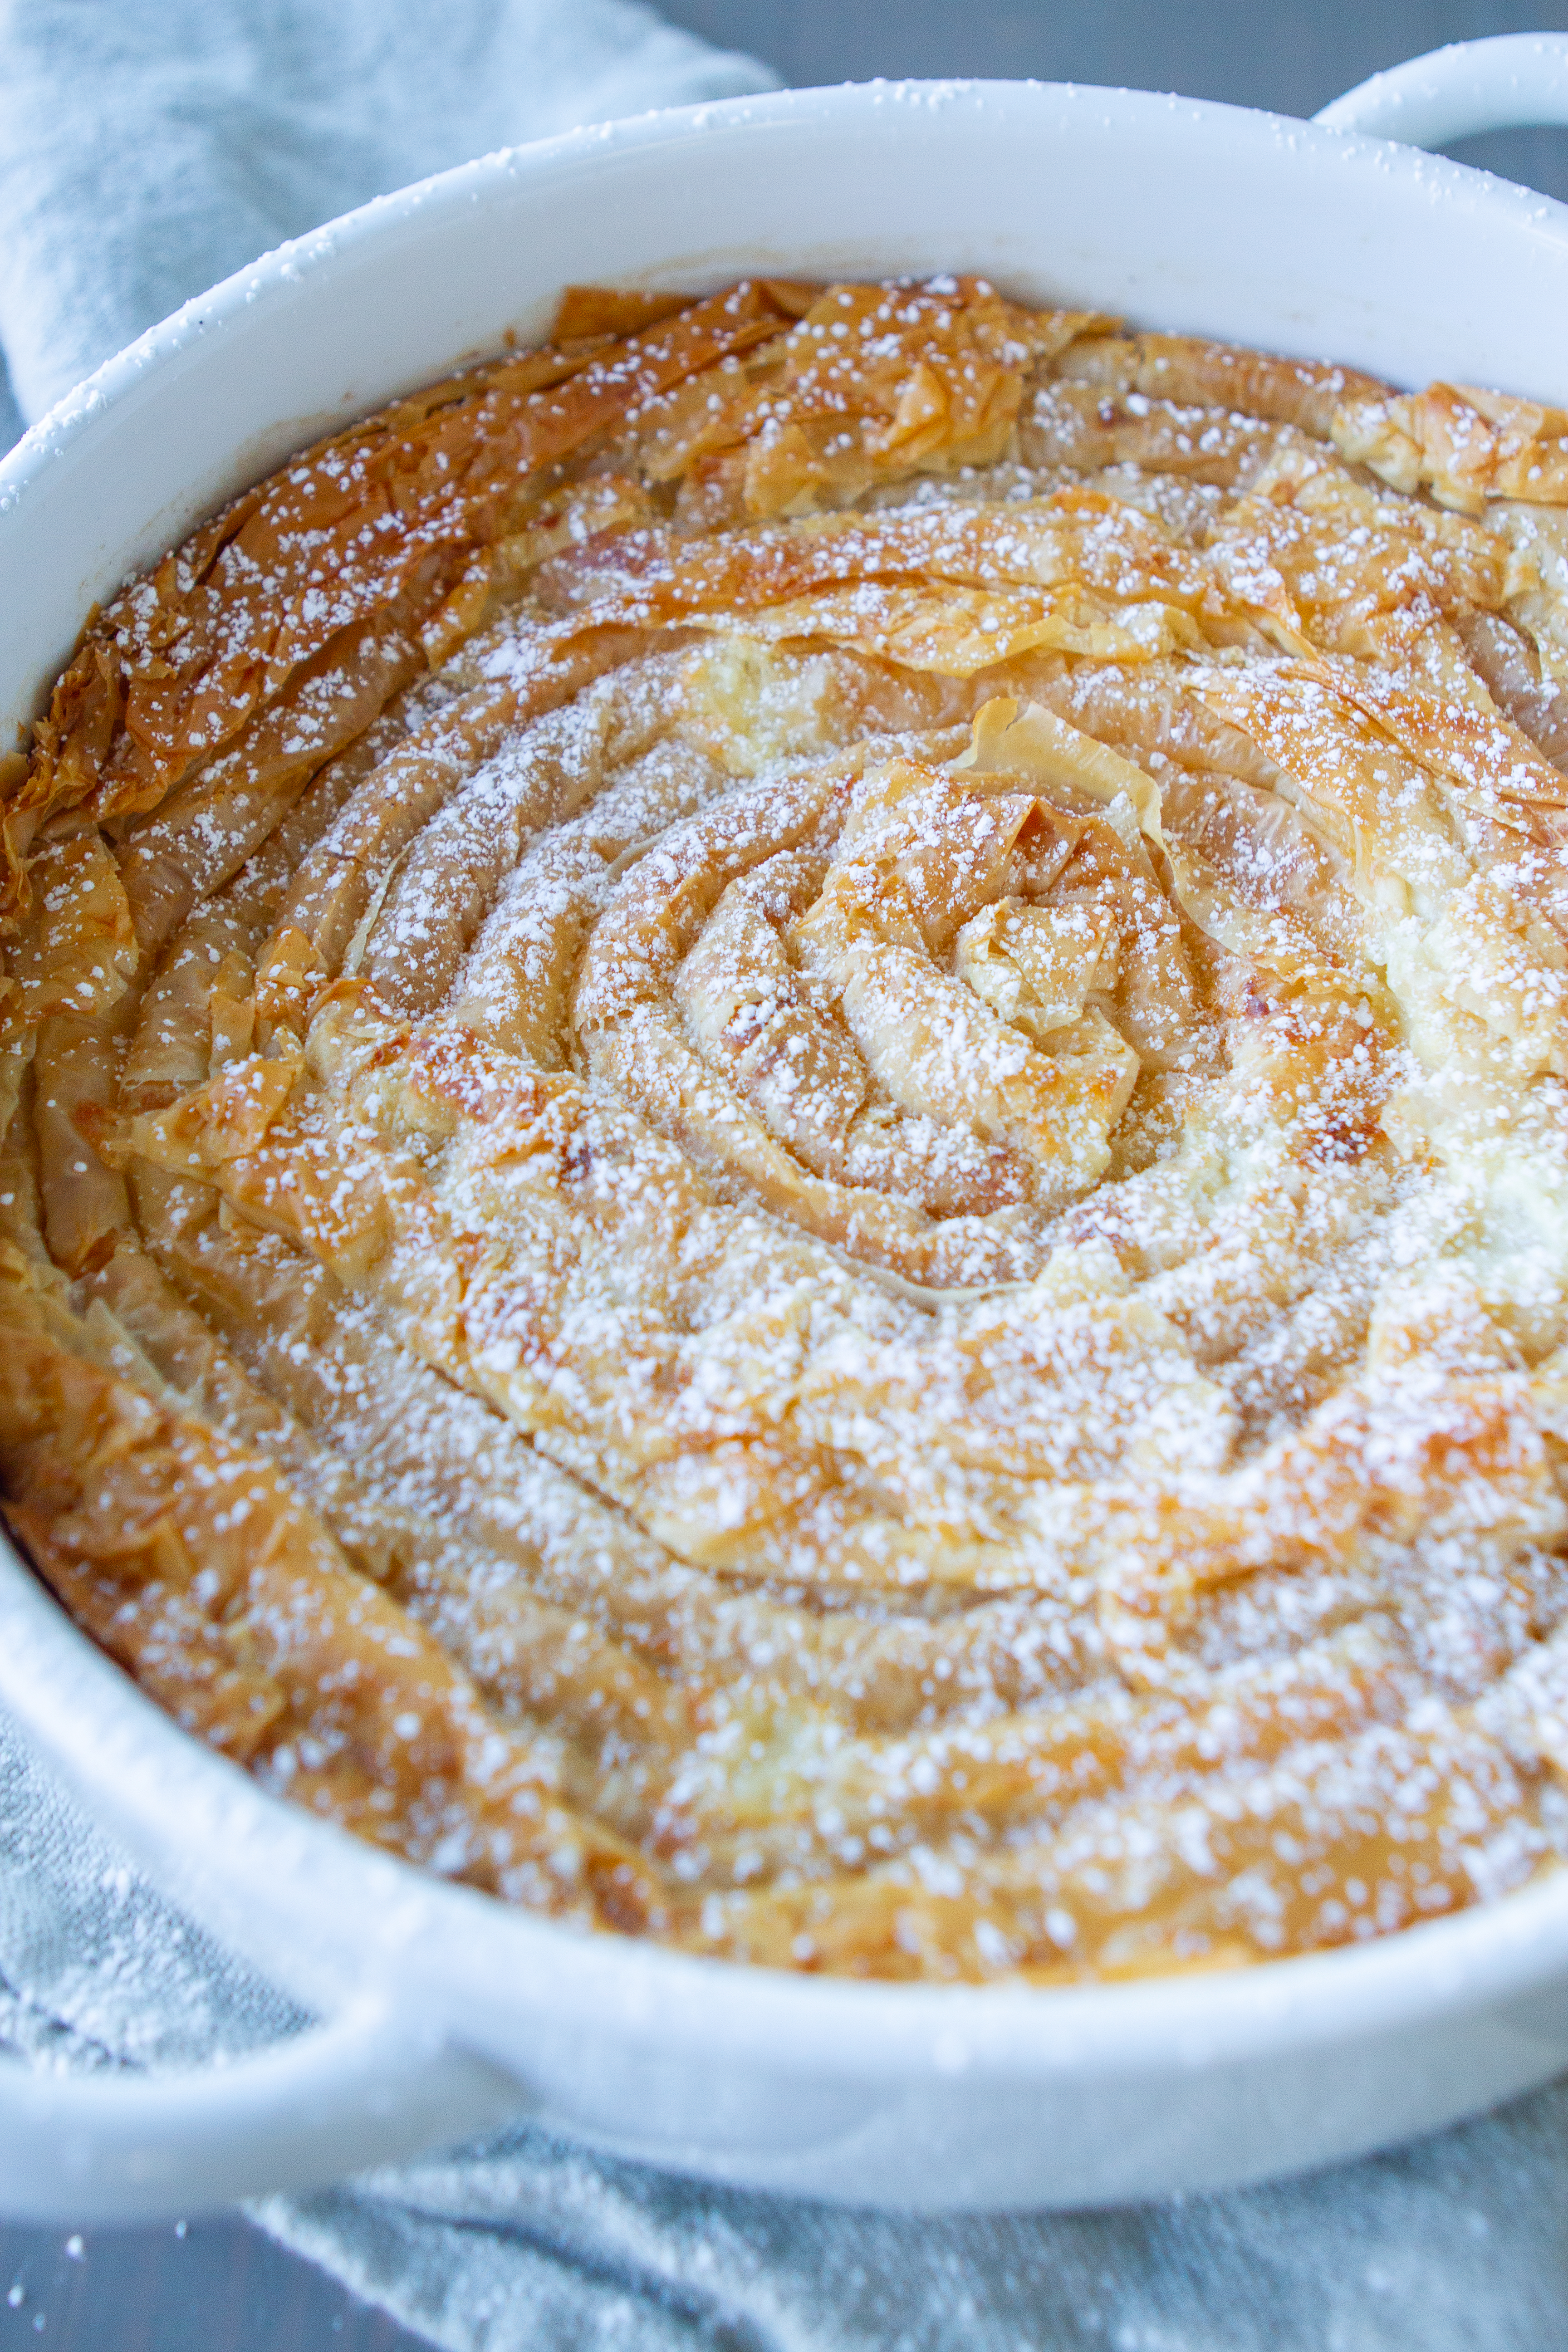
[368,2087]
[1507,83]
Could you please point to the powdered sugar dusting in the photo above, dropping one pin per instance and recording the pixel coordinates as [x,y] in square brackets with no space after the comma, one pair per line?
[804,1114]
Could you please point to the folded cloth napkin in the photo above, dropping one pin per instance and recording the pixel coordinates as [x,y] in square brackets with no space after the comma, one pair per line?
[522,2243]
[144,151]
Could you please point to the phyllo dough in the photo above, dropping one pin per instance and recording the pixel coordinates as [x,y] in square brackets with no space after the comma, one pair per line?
[786,1136]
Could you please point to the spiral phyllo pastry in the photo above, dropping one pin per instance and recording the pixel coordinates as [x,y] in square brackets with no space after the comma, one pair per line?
[786,1153]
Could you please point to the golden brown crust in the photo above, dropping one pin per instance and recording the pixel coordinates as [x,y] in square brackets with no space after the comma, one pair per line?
[787,1156]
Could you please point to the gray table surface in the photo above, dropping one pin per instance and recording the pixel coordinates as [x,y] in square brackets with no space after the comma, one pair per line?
[219,2285]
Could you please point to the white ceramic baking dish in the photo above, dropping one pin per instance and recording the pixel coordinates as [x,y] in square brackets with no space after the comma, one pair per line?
[441,2009]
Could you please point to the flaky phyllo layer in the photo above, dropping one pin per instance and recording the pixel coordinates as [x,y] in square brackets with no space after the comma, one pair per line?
[786,1154]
